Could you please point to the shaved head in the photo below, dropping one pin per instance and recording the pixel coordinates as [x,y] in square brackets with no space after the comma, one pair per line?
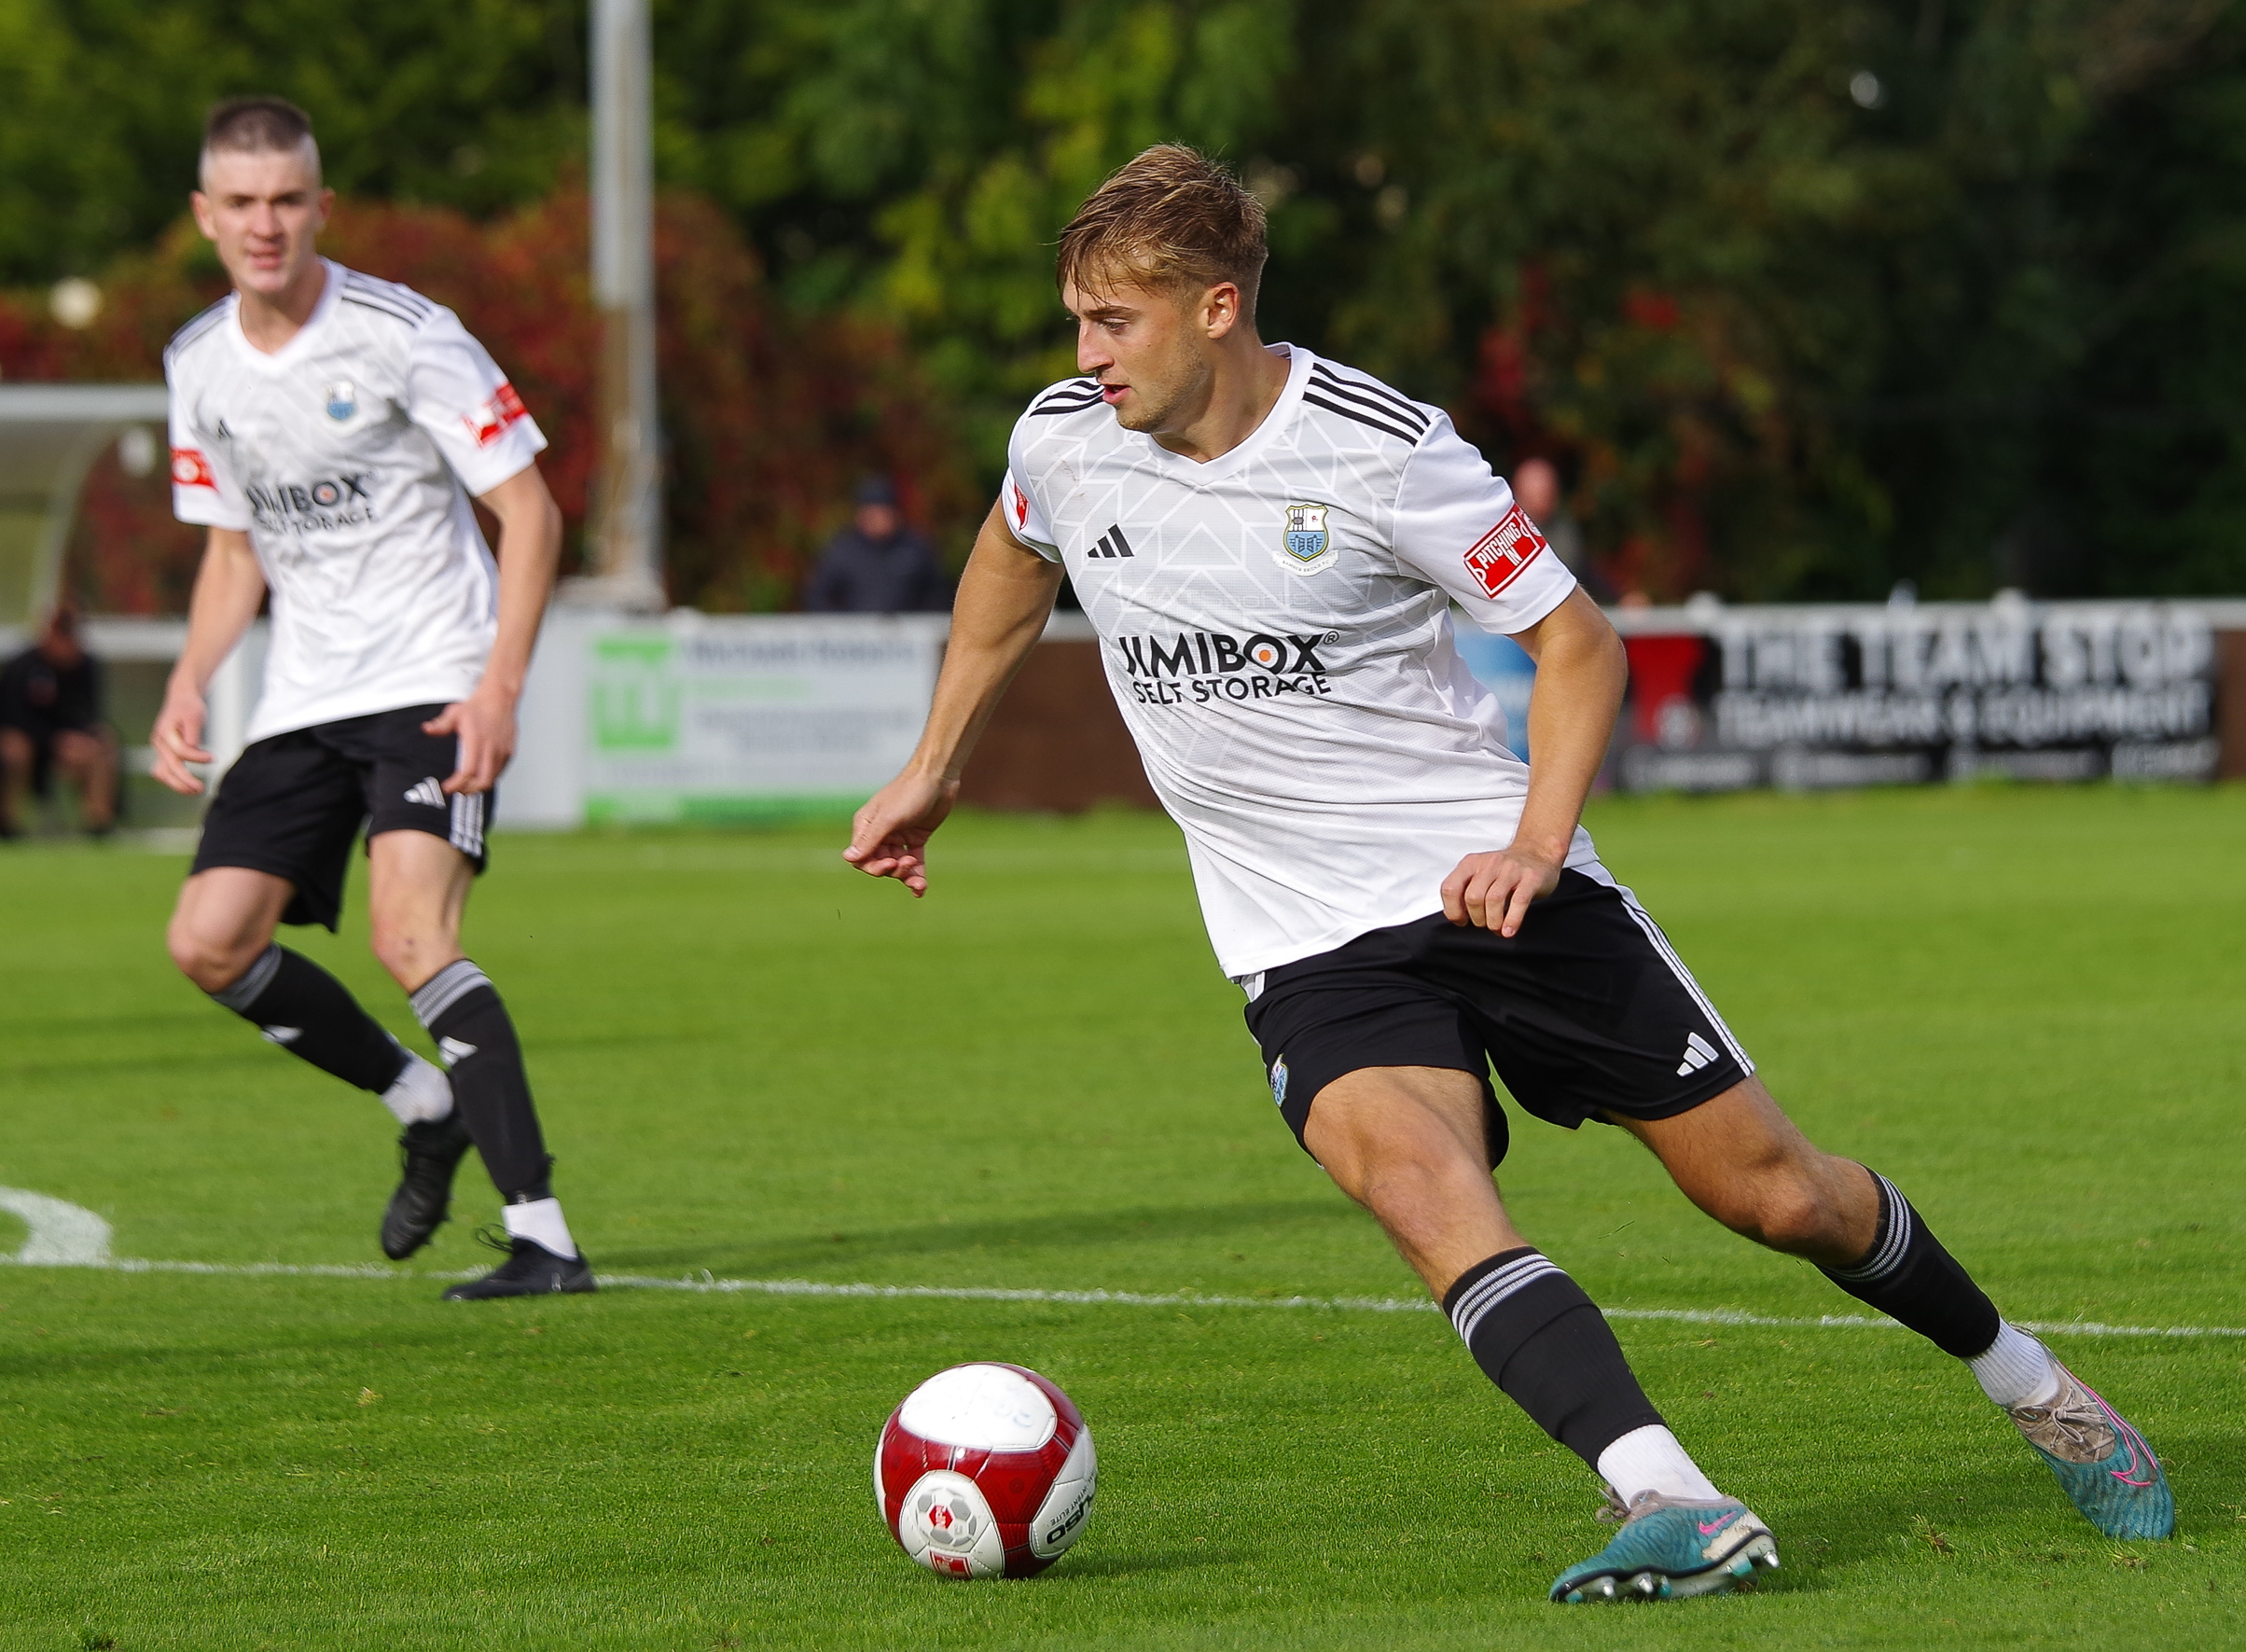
[258,126]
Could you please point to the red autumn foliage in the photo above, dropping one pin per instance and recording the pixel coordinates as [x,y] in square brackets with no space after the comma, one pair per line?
[769,417]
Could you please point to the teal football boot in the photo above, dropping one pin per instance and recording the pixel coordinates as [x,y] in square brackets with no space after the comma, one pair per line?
[1670,1549]
[2102,1462]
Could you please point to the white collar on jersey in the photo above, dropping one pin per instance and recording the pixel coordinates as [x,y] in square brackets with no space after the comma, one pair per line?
[281,360]
[1299,362]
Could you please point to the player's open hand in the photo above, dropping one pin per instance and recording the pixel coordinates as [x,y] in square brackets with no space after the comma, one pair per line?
[177,739]
[485,725]
[889,837]
[1493,891]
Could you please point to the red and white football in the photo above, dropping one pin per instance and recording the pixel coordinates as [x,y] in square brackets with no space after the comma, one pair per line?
[985,1471]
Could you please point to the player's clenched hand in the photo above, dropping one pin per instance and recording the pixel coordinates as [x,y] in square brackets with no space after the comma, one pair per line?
[889,837]
[1493,891]
[485,724]
[177,738]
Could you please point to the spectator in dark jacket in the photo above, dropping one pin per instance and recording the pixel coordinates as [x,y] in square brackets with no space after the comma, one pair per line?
[50,722]
[878,565]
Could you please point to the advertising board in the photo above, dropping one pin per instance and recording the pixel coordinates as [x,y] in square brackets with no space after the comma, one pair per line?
[1810,698]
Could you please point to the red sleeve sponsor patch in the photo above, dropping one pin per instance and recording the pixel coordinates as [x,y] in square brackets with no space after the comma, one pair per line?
[190,469]
[1501,554]
[489,422]
[1022,505]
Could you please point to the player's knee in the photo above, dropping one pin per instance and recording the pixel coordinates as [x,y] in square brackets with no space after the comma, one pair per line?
[403,949]
[213,962]
[1784,1210]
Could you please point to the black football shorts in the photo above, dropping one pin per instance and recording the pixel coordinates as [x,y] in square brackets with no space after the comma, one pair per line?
[1586,1012]
[292,803]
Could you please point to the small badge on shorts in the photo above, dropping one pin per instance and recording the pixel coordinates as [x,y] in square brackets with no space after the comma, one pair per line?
[1279,1082]
[343,400]
[427,792]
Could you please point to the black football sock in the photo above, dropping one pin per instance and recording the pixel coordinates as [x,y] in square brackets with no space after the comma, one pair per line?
[1540,1338]
[1909,1277]
[309,1013]
[462,1010]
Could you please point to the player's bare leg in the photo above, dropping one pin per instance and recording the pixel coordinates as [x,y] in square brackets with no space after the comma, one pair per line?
[221,937]
[1412,1144]
[88,759]
[417,888]
[1744,1162]
[17,756]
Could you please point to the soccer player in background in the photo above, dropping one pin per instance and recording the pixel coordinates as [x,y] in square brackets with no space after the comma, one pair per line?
[1269,546]
[329,429]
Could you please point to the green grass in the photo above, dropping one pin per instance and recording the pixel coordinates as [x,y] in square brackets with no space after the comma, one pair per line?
[2020,1004]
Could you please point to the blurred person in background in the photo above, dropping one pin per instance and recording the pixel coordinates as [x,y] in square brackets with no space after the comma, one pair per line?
[878,565]
[328,430]
[50,723]
[1536,485]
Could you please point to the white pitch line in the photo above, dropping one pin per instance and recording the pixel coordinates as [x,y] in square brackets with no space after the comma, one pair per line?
[61,1235]
[710,1285]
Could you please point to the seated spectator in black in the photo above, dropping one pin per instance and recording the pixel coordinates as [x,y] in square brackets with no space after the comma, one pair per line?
[50,723]
[878,565]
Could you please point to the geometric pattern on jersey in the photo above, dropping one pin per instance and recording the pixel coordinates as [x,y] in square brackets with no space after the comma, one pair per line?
[1581,1013]
[293,803]
[349,456]
[1276,626]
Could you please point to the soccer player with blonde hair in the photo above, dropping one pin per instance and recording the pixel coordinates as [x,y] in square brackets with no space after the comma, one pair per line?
[1269,546]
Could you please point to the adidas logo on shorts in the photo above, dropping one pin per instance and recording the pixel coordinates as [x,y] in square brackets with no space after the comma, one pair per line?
[426,791]
[1699,1052]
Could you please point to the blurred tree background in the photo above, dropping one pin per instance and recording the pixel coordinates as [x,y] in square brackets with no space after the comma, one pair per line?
[1804,297]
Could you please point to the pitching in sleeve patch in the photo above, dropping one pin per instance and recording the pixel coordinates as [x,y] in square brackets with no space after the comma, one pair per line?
[490,420]
[1499,556]
[190,469]
[1022,505]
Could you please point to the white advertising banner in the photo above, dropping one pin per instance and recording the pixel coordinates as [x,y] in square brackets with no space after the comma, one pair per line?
[701,718]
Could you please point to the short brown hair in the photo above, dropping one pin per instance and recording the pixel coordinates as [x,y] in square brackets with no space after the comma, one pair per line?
[1171,217]
[258,126]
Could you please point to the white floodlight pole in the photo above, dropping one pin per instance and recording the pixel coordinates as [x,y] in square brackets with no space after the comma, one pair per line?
[626,524]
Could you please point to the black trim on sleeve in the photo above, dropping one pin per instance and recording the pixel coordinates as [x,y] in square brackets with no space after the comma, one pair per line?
[202,324]
[404,297]
[1074,398]
[1374,398]
[1409,439]
[366,301]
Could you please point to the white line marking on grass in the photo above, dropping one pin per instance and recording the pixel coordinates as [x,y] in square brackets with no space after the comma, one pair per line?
[710,1285]
[61,1235]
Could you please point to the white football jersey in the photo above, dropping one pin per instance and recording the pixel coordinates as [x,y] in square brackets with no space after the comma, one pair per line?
[349,456]
[1276,626]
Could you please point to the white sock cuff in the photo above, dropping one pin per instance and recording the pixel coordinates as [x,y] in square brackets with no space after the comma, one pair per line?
[421,1093]
[540,1221]
[2017,1370]
[1651,1459]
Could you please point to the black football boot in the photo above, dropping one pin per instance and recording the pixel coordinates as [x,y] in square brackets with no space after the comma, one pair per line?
[529,1270]
[432,1151]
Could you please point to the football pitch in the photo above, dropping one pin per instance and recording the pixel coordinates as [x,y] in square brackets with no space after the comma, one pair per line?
[2022,1005]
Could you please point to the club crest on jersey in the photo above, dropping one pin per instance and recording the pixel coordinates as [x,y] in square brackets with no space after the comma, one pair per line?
[1305,534]
[343,400]
[1498,557]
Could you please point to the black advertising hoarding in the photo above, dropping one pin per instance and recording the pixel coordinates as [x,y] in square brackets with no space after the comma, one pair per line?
[1724,698]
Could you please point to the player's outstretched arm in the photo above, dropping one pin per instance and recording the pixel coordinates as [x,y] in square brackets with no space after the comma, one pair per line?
[1005,596]
[529,550]
[1581,671]
[228,587]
